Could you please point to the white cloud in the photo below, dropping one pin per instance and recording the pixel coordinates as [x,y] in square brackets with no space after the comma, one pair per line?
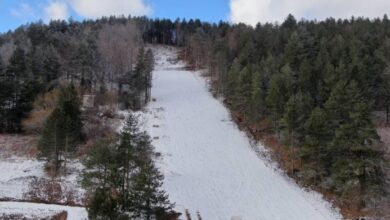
[56,10]
[253,11]
[23,11]
[99,8]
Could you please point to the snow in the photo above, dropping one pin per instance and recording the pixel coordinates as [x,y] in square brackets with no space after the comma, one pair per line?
[39,211]
[16,174]
[209,165]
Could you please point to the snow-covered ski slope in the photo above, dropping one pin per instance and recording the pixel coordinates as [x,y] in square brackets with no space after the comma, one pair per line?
[209,164]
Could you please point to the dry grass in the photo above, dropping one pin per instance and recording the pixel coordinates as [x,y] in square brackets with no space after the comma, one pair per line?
[43,190]
[18,145]
[42,107]
[109,98]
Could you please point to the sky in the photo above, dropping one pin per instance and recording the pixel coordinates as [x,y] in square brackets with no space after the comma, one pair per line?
[14,13]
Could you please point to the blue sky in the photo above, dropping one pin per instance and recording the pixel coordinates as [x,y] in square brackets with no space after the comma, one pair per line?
[16,12]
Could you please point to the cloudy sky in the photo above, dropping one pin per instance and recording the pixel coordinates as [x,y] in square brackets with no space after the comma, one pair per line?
[16,12]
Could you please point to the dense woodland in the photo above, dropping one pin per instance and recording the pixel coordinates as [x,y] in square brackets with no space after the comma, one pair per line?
[314,84]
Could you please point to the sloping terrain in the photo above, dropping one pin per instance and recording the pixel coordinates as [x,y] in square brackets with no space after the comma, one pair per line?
[209,165]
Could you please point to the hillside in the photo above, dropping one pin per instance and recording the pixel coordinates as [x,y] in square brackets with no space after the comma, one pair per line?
[210,166]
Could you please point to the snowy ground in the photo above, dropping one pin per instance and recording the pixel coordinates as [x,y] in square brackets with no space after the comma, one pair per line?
[209,165]
[40,211]
[15,175]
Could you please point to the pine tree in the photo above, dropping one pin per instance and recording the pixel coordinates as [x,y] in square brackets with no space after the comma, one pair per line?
[244,90]
[45,63]
[280,87]
[100,179]
[63,129]
[149,67]
[132,152]
[357,165]
[258,96]
[146,195]
[292,52]
[297,110]
[141,79]
[314,151]
[19,88]
[122,175]
[232,81]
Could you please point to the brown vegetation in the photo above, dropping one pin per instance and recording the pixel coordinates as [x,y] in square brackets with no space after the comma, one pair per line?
[18,145]
[42,107]
[50,191]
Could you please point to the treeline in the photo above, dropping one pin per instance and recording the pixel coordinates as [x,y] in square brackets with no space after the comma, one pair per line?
[96,57]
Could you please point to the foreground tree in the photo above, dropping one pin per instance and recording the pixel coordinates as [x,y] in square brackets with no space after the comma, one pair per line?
[146,194]
[121,174]
[63,129]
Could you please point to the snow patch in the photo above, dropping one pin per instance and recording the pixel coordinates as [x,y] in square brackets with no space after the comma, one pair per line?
[40,211]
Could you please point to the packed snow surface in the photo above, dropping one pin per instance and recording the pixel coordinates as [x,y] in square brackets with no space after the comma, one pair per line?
[209,165]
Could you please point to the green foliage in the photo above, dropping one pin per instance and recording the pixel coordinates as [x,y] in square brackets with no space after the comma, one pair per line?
[243,96]
[63,128]
[141,83]
[146,195]
[257,98]
[122,178]
[18,90]
[232,81]
[297,110]
[359,171]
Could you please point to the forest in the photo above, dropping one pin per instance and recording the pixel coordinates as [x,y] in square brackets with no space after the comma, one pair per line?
[313,85]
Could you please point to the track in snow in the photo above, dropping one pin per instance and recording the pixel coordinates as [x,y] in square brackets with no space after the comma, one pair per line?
[209,165]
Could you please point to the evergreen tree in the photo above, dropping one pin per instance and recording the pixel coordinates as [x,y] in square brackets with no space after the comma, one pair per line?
[45,63]
[146,195]
[314,151]
[141,79]
[132,152]
[149,67]
[122,175]
[297,110]
[361,169]
[232,81]
[292,52]
[258,96]
[244,90]
[100,180]
[279,89]
[19,88]
[63,129]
